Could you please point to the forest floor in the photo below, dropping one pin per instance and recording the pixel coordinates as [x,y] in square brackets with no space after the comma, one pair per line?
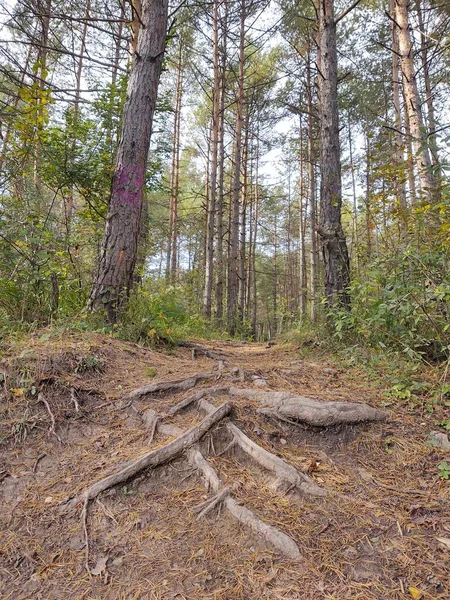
[382,532]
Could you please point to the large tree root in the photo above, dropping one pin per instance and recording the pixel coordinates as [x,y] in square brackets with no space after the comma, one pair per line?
[282,469]
[155,457]
[279,540]
[178,385]
[317,413]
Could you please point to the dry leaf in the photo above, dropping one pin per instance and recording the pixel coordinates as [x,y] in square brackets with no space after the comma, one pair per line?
[444,541]
[100,566]
[415,593]
[17,392]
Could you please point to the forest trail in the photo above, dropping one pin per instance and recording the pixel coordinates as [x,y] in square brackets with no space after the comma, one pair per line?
[381,530]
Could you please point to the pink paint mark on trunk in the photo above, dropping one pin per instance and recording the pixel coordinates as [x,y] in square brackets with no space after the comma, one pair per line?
[128,185]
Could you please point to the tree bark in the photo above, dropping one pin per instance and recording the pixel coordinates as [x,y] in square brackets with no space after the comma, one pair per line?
[302,233]
[410,160]
[275,275]
[428,90]
[412,101]
[211,209]
[221,159]
[234,232]
[172,262]
[118,257]
[312,194]
[255,237]
[136,8]
[243,225]
[355,240]
[334,245]
[399,186]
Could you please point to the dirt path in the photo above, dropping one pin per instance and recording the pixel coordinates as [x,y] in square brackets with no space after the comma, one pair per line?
[374,536]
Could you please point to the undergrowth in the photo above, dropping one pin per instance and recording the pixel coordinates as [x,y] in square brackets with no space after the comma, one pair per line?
[404,378]
[153,317]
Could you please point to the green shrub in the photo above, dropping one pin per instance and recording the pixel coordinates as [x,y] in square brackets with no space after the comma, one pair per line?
[161,316]
[402,303]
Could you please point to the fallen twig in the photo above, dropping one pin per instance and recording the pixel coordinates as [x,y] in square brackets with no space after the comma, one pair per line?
[38,459]
[392,488]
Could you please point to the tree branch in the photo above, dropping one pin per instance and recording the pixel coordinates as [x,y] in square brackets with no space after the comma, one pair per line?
[345,13]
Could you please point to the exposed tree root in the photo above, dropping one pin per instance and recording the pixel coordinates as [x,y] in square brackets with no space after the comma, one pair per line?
[52,428]
[282,469]
[317,413]
[150,419]
[155,457]
[84,518]
[279,540]
[178,385]
[275,537]
[206,507]
[73,399]
[203,350]
[282,405]
[185,402]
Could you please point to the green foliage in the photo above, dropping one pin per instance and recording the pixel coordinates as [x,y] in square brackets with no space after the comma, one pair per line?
[444,470]
[403,302]
[154,317]
[90,364]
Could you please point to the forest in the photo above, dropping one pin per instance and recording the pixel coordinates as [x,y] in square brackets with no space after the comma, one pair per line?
[297,173]
[234,201]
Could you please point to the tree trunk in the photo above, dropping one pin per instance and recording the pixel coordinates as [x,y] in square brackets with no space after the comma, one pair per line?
[248,272]
[220,194]
[302,232]
[234,232]
[136,8]
[255,237]
[69,203]
[428,90]
[412,101]
[355,240]
[275,275]
[45,11]
[207,193]
[211,209]
[312,194]
[243,226]
[115,71]
[399,186]
[334,246]
[118,257]
[172,261]
[410,160]
[367,200]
